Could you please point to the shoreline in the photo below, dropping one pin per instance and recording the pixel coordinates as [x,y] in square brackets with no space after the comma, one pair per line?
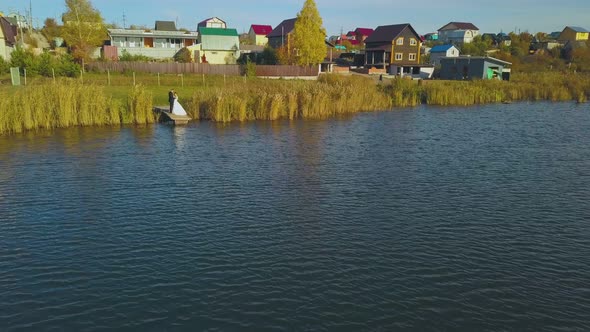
[70,103]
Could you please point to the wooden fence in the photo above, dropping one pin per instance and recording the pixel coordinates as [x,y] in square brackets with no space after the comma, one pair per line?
[203,68]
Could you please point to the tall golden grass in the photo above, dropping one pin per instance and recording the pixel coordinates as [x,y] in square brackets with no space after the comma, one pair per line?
[333,95]
[70,104]
[285,99]
[533,86]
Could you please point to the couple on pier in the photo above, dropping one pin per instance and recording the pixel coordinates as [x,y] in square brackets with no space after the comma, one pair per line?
[175,107]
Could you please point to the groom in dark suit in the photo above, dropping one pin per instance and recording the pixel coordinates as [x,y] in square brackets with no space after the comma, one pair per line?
[171,99]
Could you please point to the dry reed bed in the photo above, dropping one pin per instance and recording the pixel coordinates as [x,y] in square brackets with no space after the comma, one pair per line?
[271,100]
[70,104]
[333,95]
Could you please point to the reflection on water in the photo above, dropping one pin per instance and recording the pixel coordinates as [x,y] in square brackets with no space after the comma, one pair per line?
[421,219]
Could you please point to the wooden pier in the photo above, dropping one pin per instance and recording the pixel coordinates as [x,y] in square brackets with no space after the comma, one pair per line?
[164,115]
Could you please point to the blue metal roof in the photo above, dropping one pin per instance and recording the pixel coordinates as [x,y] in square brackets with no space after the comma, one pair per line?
[440,48]
[578,29]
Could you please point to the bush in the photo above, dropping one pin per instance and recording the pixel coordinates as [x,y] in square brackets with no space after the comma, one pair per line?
[66,66]
[183,56]
[25,60]
[126,56]
[44,64]
[4,66]
[249,68]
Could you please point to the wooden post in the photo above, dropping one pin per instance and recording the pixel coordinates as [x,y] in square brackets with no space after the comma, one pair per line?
[182,79]
[82,76]
[133,78]
[25,76]
[53,74]
[109,77]
[203,79]
[223,79]
[158,79]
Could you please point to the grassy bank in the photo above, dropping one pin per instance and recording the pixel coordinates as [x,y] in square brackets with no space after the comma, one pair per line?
[94,100]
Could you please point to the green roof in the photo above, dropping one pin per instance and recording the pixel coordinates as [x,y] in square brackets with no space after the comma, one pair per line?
[218,32]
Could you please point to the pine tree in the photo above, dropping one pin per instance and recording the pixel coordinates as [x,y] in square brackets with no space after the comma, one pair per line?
[83,28]
[309,36]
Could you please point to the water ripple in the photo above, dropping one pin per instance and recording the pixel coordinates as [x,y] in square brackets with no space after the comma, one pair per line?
[425,219]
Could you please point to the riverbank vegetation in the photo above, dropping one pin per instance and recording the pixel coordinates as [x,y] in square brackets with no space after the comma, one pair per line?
[94,99]
[70,104]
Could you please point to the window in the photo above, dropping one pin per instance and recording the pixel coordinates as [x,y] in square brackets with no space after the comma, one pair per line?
[412,57]
[399,56]
[413,42]
[399,41]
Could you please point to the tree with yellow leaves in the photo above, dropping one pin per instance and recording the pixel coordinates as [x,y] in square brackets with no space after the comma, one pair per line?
[83,29]
[309,37]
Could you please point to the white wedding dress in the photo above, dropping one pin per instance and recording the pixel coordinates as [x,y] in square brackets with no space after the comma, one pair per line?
[178,109]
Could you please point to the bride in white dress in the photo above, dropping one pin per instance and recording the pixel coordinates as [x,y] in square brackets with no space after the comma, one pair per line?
[178,109]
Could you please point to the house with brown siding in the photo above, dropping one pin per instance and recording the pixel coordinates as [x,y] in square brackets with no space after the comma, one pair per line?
[8,33]
[281,35]
[395,48]
[573,34]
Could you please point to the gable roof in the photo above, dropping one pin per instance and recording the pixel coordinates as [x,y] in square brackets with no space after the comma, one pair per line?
[387,33]
[203,23]
[9,31]
[577,29]
[218,32]
[284,28]
[440,48]
[261,29]
[459,26]
[165,26]
[364,31]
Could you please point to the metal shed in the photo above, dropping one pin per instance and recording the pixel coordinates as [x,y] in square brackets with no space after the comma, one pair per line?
[472,67]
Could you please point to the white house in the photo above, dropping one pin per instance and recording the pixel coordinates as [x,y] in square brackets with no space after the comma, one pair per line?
[161,43]
[442,51]
[217,46]
[458,33]
[212,22]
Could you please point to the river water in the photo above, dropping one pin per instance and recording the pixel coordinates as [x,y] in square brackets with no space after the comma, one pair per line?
[427,219]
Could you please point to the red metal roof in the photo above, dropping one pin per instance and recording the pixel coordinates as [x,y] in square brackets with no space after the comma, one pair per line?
[364,31]
[261,29]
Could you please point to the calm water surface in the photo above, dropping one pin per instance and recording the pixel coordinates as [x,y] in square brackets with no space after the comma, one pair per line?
[423,219]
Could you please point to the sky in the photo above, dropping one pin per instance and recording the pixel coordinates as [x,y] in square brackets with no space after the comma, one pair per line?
[338,15]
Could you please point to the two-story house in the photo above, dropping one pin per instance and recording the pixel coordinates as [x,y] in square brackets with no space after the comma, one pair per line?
[258,33]
[458,33]
[281,35]
[217,46]
[393,47]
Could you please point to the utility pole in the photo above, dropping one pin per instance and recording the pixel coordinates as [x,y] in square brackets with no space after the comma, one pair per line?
[31,15]
[124,21]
